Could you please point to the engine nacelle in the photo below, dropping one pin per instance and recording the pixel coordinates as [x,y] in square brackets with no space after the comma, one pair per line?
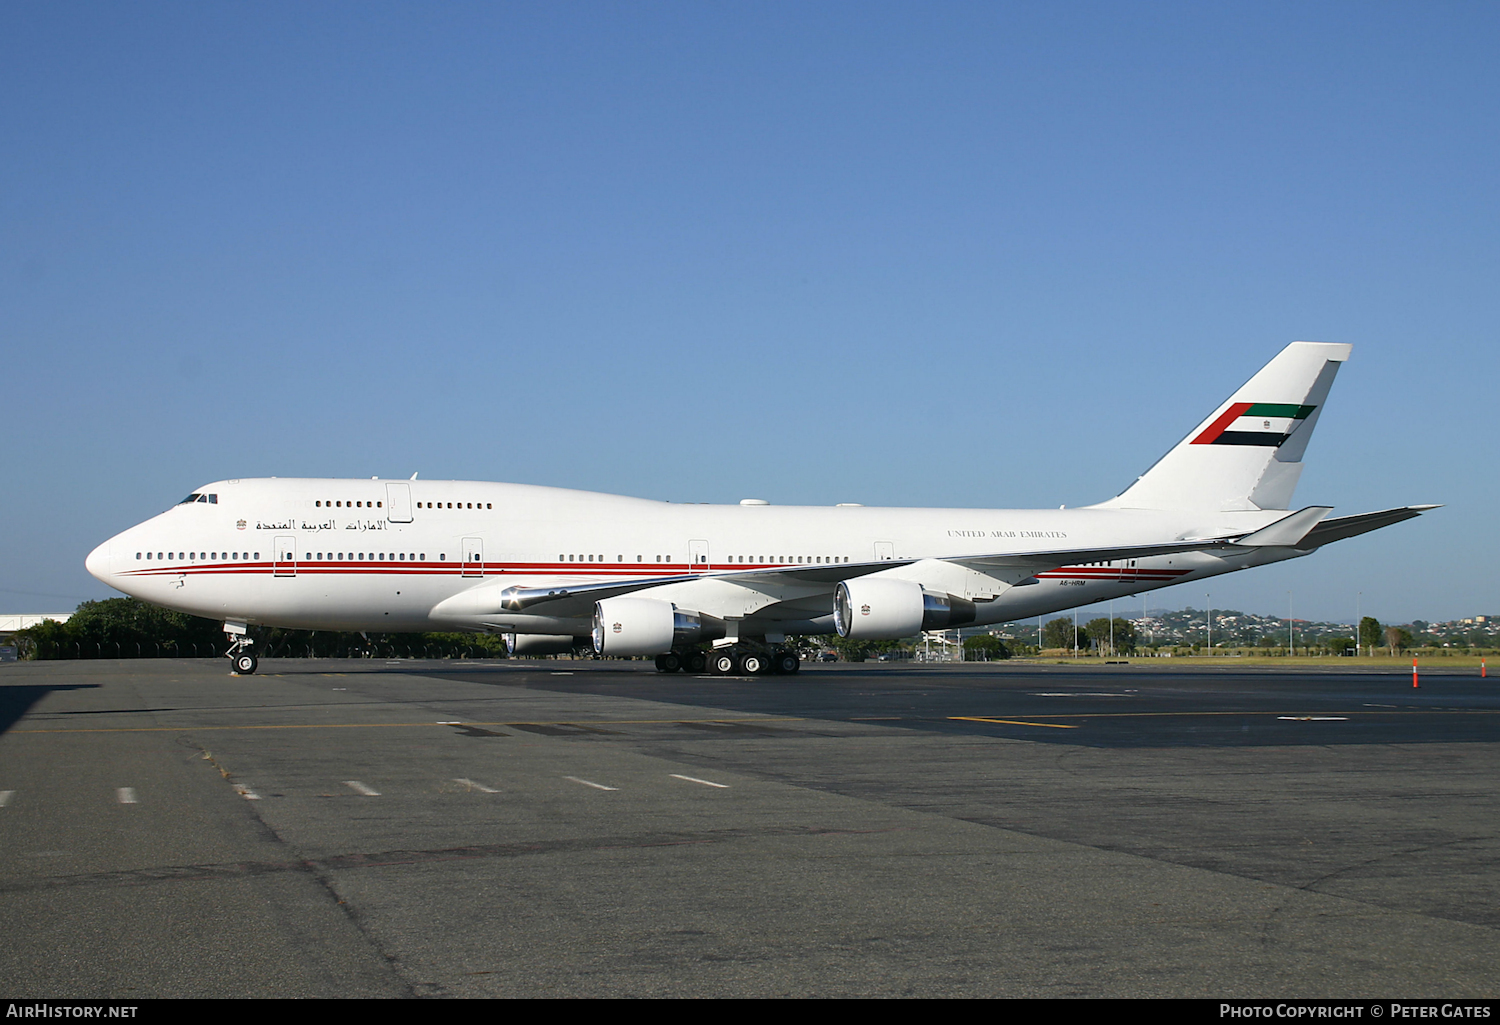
[539,644]
[648,626]
[882,609]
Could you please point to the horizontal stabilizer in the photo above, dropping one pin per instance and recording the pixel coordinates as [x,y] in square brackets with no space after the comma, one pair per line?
[1289,529]
[1362,523]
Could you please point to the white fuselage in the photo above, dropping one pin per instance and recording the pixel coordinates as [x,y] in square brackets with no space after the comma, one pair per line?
[397,556]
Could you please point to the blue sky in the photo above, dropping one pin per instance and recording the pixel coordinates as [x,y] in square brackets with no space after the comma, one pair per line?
[990,255]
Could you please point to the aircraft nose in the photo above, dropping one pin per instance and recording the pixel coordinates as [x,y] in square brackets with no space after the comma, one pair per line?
[98,562]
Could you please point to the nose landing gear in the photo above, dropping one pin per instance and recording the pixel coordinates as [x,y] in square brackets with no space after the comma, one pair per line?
[241,661]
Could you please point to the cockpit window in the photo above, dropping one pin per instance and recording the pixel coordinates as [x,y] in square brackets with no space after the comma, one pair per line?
[190,498]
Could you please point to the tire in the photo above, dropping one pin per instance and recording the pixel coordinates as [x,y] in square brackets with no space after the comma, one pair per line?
[787,663]
[752,664]
[695,662]
[669,662]
[721,663]
[243,664]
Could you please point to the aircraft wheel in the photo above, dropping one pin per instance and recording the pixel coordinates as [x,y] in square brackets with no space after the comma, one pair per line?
[787,663]
[721,663]
[243,664]
[752,664]
[668,663]
[695,662]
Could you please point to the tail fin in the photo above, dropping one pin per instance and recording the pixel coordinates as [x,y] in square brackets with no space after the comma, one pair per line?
[1248,454]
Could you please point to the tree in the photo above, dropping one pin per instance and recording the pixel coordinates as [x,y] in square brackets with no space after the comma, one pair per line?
[1101,630]
[985,648]
[1397,638]
[1370,633]
[1058,633]
[1098,634]
[122,627]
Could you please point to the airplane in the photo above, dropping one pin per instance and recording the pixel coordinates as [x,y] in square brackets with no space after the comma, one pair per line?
[722,587]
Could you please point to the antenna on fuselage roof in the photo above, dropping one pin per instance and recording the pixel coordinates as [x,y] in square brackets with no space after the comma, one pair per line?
[414,476]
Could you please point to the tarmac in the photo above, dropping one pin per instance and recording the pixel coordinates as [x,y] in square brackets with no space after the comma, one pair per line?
[358,828]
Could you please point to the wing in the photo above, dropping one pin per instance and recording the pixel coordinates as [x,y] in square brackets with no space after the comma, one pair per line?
[782,583]
[579,599]
[1351,526]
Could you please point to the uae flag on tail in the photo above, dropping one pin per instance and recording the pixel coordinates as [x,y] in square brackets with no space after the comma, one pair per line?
[1255,423]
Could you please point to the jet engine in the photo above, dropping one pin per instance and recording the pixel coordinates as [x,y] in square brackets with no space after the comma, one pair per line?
[882,609]
[648,626]
[539,644]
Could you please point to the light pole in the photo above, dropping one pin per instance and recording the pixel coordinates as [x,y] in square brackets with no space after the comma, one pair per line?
[1291,643]
[1358,599]
[1210,602]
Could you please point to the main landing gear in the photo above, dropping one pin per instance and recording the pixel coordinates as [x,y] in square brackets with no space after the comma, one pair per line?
[732,661]
[691,661]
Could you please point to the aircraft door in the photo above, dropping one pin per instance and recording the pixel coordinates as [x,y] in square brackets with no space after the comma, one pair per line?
[284,559]
[885,550]
[398,503]
[473,565]
[698,556]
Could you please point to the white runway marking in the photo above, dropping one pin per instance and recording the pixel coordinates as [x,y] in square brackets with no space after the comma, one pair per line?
[5,797]
[477,786]
[246,792]
[705,782]
[125,795]
[358,787]
[1078,694]
[448,723]
[562,674]
[1315,718]
[596,786]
